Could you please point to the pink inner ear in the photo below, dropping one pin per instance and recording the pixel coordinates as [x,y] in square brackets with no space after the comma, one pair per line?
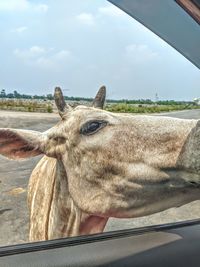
[12,145]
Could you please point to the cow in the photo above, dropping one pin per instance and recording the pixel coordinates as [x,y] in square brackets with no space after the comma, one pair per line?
[98,164]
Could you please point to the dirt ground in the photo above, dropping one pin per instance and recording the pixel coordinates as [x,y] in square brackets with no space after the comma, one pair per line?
[14,177]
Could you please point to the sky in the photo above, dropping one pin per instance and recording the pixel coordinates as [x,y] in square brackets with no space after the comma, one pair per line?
[83,44]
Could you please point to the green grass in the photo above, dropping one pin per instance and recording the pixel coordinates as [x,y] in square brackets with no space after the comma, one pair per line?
[47,106]
[128,108]
[23,105]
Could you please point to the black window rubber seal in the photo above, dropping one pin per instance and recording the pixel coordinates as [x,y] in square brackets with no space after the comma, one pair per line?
[80,240]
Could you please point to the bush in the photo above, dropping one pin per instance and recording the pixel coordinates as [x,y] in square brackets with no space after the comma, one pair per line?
[49,109]
[25,105]
[130,108]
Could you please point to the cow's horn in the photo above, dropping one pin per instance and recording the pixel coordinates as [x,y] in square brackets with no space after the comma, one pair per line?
[62,106]
[100,97]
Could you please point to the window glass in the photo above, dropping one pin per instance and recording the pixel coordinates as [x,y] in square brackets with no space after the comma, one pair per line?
[93,171]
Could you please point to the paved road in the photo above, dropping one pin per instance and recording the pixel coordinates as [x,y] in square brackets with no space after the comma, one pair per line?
[14,178]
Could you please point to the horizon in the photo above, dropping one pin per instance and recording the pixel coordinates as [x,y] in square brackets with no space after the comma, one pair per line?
[82,97]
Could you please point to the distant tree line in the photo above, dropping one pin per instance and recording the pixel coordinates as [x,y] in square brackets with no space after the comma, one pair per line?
[150,102]
[17,95]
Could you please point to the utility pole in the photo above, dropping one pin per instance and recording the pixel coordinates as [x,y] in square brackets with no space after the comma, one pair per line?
[156,98]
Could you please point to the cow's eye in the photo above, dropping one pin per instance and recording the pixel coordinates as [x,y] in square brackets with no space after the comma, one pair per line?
[92,127]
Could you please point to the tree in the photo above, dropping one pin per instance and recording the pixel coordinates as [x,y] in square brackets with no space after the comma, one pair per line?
[3,93]
[16,94]
[10,95]
[49,96]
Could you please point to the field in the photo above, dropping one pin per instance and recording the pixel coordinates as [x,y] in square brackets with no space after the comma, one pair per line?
[48,106]
[26,105]
[14,177]
[132,108]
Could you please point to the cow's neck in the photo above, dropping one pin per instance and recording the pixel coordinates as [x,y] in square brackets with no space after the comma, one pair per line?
[53,213]
[65,218]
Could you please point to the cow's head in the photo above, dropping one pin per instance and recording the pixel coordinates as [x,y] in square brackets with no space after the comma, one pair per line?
[117,165]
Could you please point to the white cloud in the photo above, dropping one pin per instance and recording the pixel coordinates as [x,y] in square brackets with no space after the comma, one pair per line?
[35,50]
[21,5]
[21,54]
[111,11]
[62,55]
[20,29]
[42,57]
[140,53]
[86,18]
[41,7]
[30,53]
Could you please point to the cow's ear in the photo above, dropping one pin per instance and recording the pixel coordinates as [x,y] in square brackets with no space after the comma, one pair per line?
[19,144]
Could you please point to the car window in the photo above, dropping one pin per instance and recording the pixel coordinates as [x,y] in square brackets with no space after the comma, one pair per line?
[117,155]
